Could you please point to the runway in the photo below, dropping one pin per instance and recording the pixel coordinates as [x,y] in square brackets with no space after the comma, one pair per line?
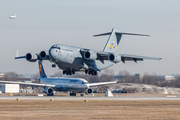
[119,107]
[117,97]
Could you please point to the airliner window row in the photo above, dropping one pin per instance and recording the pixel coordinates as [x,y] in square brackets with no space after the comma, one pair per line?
[73,81]
[84,82]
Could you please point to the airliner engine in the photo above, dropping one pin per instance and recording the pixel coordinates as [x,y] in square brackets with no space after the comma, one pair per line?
[90,55]
[48,91]
[114,58]
[31,57]
[89,91]
[44,55]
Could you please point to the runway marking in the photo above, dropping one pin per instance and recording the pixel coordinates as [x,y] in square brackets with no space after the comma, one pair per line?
[91,98]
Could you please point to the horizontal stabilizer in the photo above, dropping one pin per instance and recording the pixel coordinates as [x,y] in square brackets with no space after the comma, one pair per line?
[132,34]
[102,34]
[119,33]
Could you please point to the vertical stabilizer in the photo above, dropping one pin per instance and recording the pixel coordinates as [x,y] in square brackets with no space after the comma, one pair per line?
[41,69]
[113,41]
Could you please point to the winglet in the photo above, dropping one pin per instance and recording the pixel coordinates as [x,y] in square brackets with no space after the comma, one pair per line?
[17,53]
[116,80]
[19,57]
[165,57]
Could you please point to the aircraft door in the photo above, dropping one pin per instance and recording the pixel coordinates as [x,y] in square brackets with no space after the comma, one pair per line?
[59,53]
[69,57]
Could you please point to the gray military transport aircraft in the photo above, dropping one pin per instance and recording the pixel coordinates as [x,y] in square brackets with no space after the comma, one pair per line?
[73,85]
[71,59]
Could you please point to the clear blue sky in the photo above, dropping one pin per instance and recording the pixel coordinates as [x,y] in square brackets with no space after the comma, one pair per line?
[42,23]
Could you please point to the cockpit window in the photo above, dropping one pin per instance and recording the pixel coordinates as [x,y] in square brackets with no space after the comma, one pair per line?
[84,82]
[56,47]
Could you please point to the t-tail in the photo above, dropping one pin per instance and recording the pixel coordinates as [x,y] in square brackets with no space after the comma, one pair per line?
[41,69]
[114,39]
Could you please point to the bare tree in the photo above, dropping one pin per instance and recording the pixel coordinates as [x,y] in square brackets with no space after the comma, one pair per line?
[57,74]
[107,75]
[35,76]
[11,76]
[124,73]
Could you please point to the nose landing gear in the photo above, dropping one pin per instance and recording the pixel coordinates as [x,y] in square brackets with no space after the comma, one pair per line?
[72,93]
[72,72]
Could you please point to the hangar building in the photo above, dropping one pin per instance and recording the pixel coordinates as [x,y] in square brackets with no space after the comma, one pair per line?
[9,88]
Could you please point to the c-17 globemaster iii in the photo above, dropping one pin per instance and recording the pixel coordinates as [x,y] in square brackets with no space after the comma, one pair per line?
[71,59]
[72,85]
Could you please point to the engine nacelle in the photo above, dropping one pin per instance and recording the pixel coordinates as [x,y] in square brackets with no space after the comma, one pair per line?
[44,55]
[31,57]
[48,91]
[90,55]
[89,91]
[114,58]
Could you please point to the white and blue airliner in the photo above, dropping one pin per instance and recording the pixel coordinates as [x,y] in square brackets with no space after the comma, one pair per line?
[72,85]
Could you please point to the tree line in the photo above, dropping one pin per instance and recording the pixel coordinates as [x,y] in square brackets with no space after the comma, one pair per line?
[106,76]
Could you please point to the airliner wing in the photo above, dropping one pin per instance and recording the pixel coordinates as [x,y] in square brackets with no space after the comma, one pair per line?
[101,83]
[136,58]
[23,83]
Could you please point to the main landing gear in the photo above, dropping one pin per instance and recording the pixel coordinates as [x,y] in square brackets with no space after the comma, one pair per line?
[91,72]
[72,72]
[68,72]
[53,65]
[72,93]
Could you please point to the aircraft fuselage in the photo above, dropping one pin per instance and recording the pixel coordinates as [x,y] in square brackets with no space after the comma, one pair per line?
[66,84]
[71,57]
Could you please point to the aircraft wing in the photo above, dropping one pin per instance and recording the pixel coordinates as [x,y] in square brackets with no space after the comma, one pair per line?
[23,83]
[123,57]
[136,58]
[20,57]
[101,83]
[33,57]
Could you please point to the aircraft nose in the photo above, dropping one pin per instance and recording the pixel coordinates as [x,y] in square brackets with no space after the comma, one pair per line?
[52,53]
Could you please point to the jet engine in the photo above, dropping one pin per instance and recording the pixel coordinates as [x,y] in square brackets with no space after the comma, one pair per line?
[114,58]
[89,91]
[31,57]
[44,55]
[90,55]
[48,91]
